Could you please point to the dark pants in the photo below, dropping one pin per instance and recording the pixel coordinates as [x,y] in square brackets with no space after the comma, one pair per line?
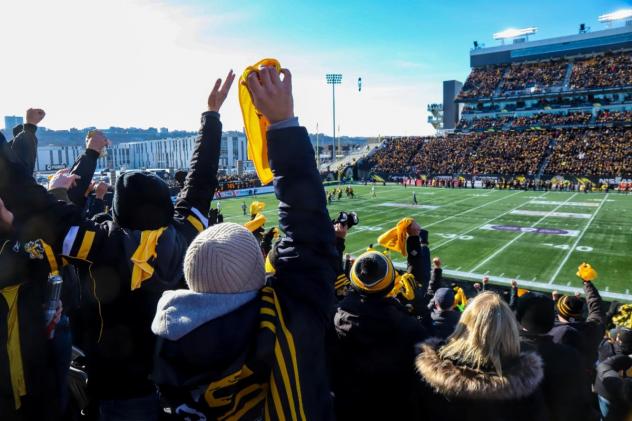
[146,408]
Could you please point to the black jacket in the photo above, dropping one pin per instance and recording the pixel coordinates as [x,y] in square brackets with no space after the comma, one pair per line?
[613,387]
[566,388]
[271,350]
[443,321]
[585,335]
[451,391]
[120,356]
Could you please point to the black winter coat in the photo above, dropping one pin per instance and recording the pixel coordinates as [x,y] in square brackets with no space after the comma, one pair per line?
[236,358]
[585,335]
[449,391]
[373,359]
[566,388]
[615,388]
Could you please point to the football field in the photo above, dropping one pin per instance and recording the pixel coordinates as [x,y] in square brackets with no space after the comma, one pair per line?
[537,238]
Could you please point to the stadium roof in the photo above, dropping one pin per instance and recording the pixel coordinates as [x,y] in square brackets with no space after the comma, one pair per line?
[582,43]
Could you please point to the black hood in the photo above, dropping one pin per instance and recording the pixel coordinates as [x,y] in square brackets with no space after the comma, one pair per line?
[142,202]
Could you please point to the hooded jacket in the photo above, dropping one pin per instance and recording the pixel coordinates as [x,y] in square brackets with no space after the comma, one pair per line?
[260,353]
[124,293]
[452,391]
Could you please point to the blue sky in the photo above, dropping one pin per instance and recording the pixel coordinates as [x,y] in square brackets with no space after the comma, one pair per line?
[150,63]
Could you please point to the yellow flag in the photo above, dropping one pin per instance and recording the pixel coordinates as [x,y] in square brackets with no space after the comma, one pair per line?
[256,124]
[395,238]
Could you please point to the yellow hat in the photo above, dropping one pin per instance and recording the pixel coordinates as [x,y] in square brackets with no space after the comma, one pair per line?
[373,272]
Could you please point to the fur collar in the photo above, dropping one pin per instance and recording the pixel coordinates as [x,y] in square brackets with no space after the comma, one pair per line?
[448,379]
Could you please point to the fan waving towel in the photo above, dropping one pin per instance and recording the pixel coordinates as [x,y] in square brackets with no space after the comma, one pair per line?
[395,238]
[255,123]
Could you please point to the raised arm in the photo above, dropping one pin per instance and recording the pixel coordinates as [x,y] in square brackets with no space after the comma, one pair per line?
[418,255]
[201,181]
[85,166]
[24,144]
[306,256]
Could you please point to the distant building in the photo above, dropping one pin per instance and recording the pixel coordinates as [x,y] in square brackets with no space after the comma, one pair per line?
[10,121]
[162,153]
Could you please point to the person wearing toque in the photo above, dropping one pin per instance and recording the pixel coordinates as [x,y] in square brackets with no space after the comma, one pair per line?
[584,333]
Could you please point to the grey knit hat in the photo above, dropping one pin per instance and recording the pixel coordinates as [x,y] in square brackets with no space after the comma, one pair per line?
[224,258]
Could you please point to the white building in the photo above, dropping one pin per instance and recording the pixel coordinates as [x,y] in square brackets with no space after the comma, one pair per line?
[163,153]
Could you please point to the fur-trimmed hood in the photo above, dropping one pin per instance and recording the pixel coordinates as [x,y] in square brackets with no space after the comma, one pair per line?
[448,379]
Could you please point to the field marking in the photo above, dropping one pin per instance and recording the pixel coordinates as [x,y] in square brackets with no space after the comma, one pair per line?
[500,250]
[552,202]
[525,283]
[527,212]
[405,205]
[450,217]
[581,235]
[478,226]
[387,223]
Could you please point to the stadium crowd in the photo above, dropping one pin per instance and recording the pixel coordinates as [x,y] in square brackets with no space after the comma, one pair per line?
[181,318]
[603,152]
[540,119]
[537,75]
[601,71]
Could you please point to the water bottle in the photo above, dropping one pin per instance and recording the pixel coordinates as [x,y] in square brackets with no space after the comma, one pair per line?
[55,282]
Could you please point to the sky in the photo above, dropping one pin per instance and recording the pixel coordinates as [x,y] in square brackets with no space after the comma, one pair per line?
[143,63]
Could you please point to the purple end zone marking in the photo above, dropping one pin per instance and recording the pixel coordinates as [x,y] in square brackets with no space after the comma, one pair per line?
[515,228]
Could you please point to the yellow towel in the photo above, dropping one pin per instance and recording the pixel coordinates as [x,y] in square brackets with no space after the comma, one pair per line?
[395,238]
[14,351]
[586,272]
[146,250]
[404,285]
[256,207]
[460,299]
[256,223]
[256,124]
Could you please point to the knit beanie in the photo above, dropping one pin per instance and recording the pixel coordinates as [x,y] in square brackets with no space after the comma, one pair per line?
[624,337]
[444,298]
[373,273]
[535,313]
[225,259]
[142,202]
[570,307]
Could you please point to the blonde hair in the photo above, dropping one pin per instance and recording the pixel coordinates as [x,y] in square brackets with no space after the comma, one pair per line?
[486,334]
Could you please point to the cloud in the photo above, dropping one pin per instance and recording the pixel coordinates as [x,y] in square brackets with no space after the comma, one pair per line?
[144,63]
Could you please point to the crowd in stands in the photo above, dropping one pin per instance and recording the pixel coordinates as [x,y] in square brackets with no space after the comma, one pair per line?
[602,71]
[552,119]
[510,153]
[606,152]
[539,75]
[607,116]
[534,120]
[235,182]
[481,82]
[603,152]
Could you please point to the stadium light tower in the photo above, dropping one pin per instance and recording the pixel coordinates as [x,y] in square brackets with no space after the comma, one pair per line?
[512,33]
[333,79]
[609,18]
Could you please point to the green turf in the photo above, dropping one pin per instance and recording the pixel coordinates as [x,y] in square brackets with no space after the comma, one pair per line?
[537,261]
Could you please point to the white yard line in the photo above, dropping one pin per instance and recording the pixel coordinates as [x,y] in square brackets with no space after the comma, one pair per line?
[387,223]
[500,250]
[479,226]
[449,217]
[581,235]
[527,284]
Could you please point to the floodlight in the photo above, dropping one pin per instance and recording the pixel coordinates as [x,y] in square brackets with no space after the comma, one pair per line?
[333,78]
[614,16]
[514,33]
